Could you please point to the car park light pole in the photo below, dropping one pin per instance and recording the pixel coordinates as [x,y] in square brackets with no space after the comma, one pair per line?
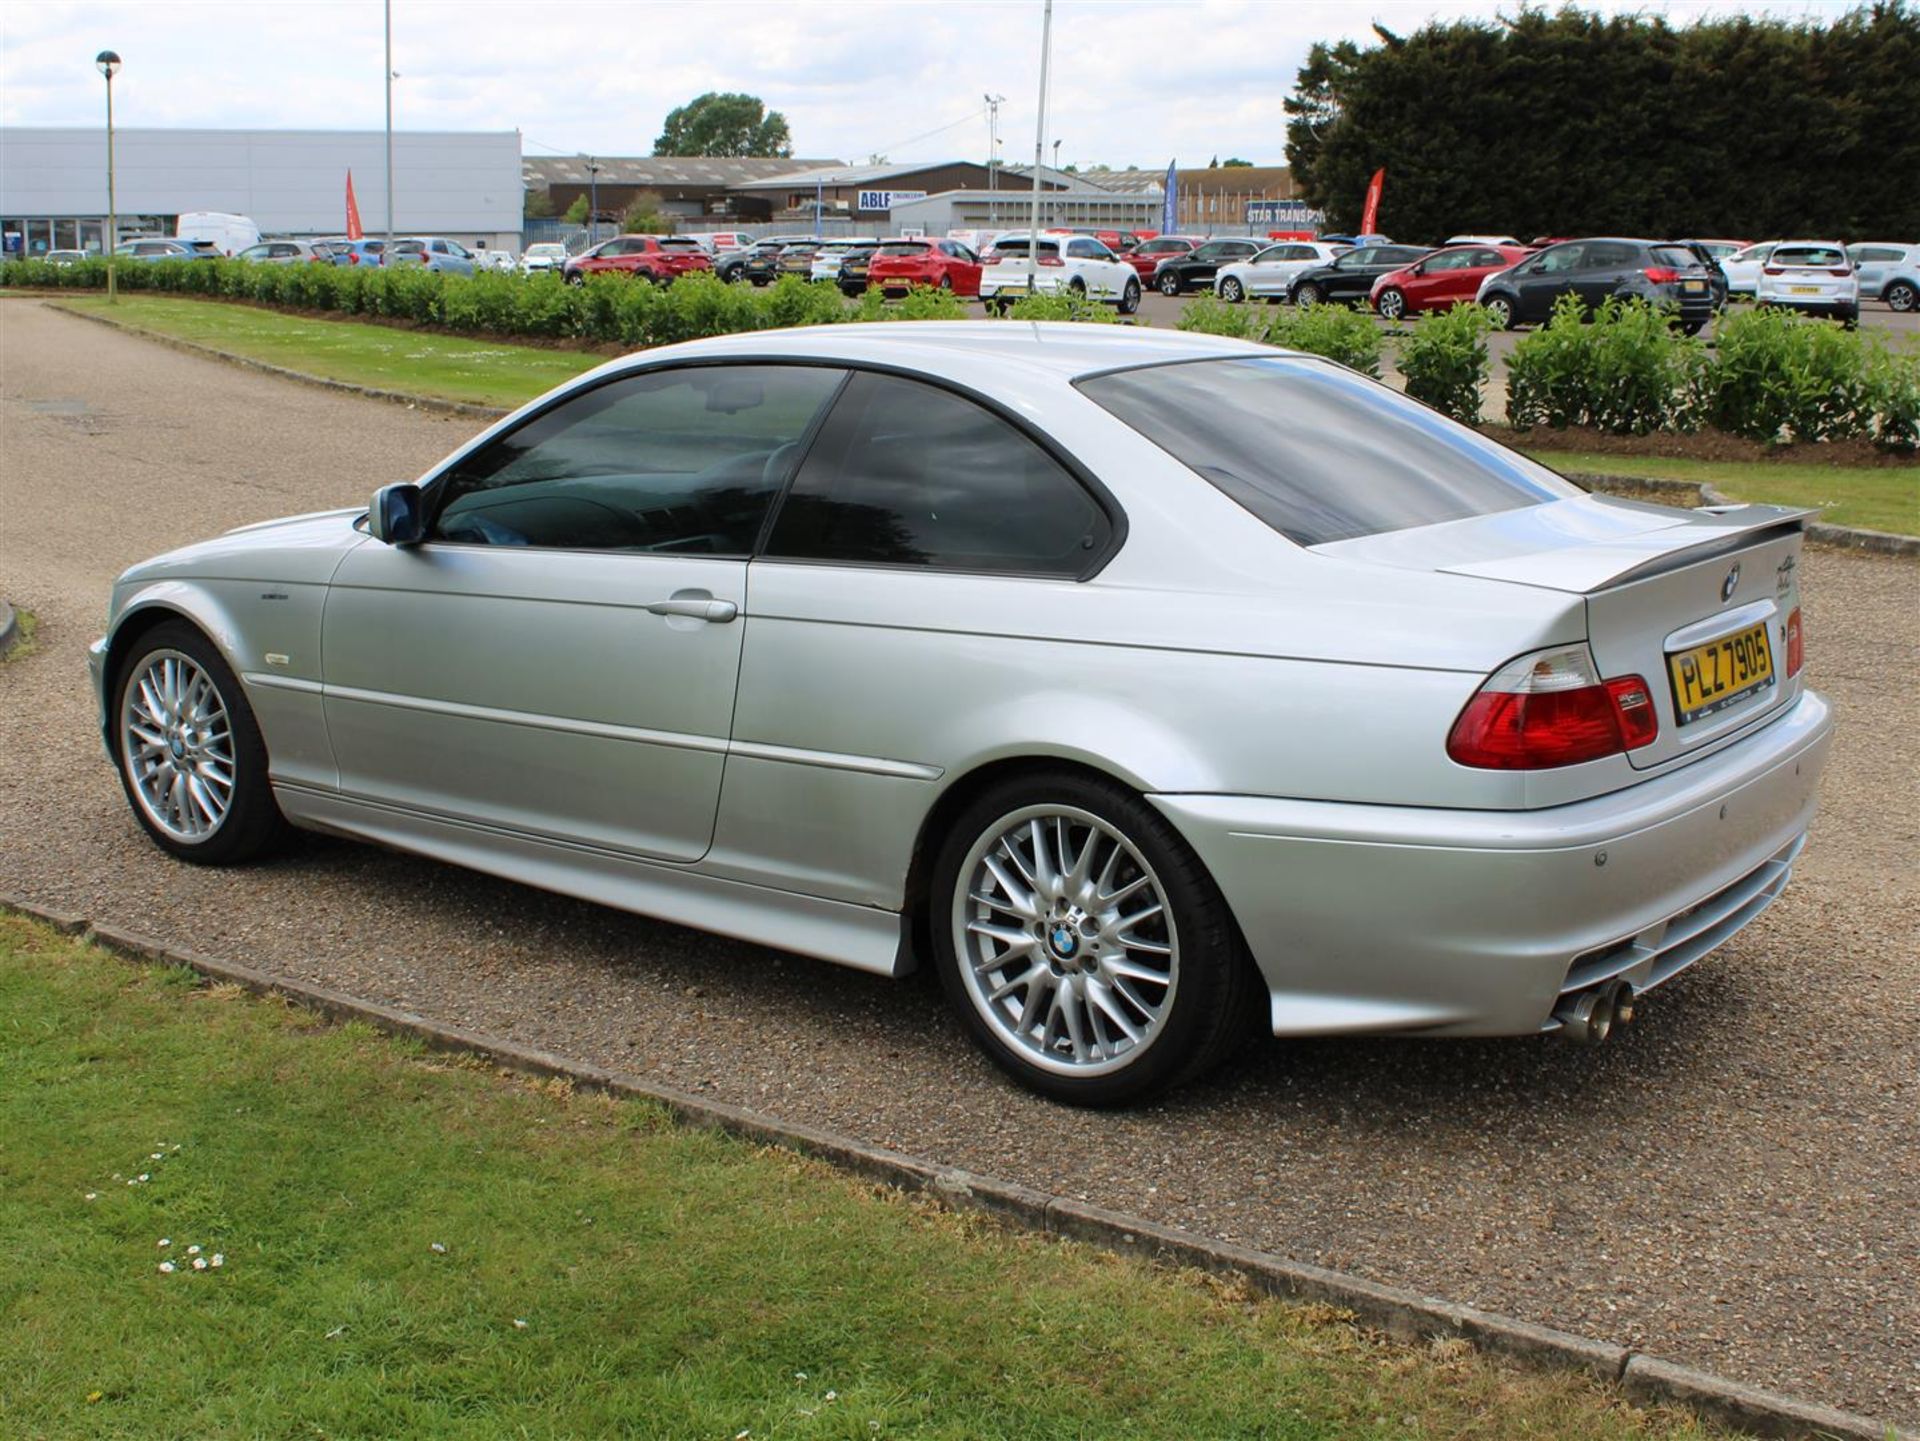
[1039,153]
[109,66]
[389,83]
[593,201]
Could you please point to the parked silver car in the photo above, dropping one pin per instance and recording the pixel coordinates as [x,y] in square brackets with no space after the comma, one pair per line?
[1153,686]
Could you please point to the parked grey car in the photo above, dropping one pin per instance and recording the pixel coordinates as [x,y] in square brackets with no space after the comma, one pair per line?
[286,252]
[1153,686]
[1887,271]
[435,252]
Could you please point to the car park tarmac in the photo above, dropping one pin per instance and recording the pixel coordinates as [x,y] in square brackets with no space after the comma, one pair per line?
[1729,1184]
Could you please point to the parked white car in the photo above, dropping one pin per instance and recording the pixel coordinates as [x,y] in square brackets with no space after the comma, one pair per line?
[1814,276]
[1743,270]
[1059,265]
[827,259]
[1271,273]
[1483,240]
[1889,271]
[548,255]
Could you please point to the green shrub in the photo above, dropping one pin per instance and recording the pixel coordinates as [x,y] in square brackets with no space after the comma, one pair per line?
[1347,336]
[791,301]
[1626,371]
[1209,315]
[1445,361]
[1775,373]
[1894,389]
[1068,306]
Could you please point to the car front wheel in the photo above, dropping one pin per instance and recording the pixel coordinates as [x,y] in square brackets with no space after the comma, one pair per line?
[1084,945]
[192,760]
[1308,294]
[1500,311]
[1232,291]
[1168,284]
[1391,304]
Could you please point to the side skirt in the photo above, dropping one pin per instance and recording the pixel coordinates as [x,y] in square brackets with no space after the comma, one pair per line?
[863,937]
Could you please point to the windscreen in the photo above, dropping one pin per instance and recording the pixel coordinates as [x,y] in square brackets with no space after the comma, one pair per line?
[1317,452]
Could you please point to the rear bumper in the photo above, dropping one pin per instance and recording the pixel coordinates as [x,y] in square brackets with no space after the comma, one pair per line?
[1378,918]
[1843,309]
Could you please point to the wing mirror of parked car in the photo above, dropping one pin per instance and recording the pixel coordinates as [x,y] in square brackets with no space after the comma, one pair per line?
[398,515]
[1419,267]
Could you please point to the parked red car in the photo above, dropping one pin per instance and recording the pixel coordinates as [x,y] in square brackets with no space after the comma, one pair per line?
[651,257]
[898,265]
[1149,253]
[1443,279]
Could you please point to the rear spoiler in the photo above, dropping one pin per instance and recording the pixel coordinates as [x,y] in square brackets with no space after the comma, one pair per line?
[1706,533]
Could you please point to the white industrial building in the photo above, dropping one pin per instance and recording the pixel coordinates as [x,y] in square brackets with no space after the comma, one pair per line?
[53,182]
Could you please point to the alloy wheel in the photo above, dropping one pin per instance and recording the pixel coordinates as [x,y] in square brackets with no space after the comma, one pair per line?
[1067,947]
[176,742]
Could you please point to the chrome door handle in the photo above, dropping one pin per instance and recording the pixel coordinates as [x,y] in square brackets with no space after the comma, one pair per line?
[696,605]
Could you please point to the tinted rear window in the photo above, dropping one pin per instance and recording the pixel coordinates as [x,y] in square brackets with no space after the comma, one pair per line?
[1680,257]
[913,250]
[1019,247]
[1825,256]
[1317,452]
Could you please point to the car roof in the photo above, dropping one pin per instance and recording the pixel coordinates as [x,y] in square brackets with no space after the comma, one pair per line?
[960,349]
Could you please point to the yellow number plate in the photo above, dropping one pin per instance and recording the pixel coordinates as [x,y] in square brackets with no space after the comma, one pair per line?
[1711,677]
[1696,285]
[1803,290]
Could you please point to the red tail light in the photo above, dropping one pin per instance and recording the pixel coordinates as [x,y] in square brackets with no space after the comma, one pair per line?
[1552,709]
[1771,270]
[353,257]
[990,260]
[1051,260]
[1661,274]
[1843,274]
[1796,648]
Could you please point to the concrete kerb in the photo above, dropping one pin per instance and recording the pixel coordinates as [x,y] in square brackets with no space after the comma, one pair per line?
[1402,1314]
[189,347]
[9,627]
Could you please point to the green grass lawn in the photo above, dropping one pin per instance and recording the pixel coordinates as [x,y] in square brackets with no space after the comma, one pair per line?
[1875,497]
[604,1271]
[416,362]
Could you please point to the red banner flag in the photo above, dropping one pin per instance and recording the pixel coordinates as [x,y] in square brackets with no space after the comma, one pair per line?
[1372,212]
[354,232]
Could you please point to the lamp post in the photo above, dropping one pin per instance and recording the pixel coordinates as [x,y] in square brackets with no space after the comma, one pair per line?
[109,66]
[593,201]
[388,250]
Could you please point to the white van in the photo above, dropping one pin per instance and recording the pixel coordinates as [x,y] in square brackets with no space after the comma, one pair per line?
[228,234]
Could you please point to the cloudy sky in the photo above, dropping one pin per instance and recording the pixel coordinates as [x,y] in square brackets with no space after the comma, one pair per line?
[1136,81]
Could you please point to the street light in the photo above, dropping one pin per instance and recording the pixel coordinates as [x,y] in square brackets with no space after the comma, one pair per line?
[108,64]
[593,201]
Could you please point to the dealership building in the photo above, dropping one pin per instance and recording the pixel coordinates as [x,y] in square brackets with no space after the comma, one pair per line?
[53,183]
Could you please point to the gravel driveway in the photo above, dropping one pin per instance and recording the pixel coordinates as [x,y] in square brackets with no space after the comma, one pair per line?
[1734,1184]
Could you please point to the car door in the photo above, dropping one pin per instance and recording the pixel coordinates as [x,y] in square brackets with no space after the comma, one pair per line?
[920,557]
[962,267]
[558,658]
[1430,283]
[1542,280]
[1873,264]
[1604,266]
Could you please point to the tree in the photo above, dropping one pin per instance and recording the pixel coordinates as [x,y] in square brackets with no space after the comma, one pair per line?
[1567,122]
[1236,164]
[725,124]
[645,217]
[576,212]
[538,205]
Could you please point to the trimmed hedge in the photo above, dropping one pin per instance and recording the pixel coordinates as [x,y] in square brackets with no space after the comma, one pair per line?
[1348,336]
[1445,361]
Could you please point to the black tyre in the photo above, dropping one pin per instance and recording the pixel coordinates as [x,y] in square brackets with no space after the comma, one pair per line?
[1392,305]
[1901,296]
[576,278]
[190,755]
[1232,291]
[1692,327]
[1167,283]
[1130,298]
[1083,944]
[1500,308]
[1307,294]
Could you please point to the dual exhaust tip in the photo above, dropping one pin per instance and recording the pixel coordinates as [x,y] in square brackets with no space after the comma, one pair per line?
[1588,1017]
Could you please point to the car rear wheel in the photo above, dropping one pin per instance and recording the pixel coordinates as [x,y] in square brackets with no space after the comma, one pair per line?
[576,278]
[1232,291]
[1084,945]
[1392,304]
[1500,311]
[1168,284]
[1308,294]
[190,754]
[1902,297]
[1130,298]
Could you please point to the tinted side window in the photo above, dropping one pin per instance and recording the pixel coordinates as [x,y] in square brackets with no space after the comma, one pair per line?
[1606,255]
[909,474]
[678,460]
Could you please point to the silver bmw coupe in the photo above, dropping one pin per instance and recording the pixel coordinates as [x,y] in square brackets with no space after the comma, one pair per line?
[1154,687]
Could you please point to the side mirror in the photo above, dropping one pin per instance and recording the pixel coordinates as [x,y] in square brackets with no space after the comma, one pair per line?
[398,515]
[1419,267]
